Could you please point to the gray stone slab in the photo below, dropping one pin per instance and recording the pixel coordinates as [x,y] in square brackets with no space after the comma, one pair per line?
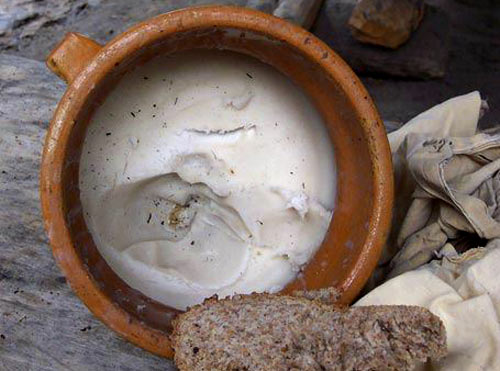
[301,12]
[474,60]
[31,28]
[266,6]
[423,56]
[474,64]
[43,325]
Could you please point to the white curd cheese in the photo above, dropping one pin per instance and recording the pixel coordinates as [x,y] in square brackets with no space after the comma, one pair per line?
[206,173]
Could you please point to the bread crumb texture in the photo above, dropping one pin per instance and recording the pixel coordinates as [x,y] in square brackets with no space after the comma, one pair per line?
[272,332]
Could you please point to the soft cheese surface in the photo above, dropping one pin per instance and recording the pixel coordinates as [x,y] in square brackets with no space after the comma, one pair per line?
[207,172]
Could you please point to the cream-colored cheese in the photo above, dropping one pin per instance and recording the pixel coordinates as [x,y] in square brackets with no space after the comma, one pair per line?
[207,172]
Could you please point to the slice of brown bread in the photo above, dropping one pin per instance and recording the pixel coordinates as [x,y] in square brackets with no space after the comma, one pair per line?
[271,332]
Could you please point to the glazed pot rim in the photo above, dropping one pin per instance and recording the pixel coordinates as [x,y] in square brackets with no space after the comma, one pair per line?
[147,33]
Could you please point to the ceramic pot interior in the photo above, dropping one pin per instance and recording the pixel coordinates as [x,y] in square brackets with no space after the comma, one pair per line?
[333,263]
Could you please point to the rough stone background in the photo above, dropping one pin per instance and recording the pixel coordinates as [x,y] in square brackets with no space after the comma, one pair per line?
[43,326]
[423,56]
[30,28]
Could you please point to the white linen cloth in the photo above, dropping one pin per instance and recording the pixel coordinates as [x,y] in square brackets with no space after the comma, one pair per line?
[448,182]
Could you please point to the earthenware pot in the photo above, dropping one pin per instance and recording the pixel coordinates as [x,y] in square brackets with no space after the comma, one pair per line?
[365,187]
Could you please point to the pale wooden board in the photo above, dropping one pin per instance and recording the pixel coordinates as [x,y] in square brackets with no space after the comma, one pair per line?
[43,325]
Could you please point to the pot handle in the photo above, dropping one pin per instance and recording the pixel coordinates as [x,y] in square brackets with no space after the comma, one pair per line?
[71,55]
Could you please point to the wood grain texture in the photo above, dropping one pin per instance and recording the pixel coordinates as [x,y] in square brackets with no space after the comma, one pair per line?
[43,325]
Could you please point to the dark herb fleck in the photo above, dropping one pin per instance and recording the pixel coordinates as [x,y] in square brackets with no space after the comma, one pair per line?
[176,99]
[192,243]
[133,114]
[154,105]
[149,218]
[196,350]
[162,222]
[2,336]
[261,223]
[108,134]
[250,76]
[145,77]
[291,172]
[85,328]
[303,185]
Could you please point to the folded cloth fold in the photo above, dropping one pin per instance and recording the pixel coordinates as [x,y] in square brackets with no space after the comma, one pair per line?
[457,117]
[448,185]
[464,291]
[457,190]
[446,178]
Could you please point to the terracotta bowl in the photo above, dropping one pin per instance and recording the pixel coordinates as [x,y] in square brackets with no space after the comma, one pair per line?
[365,189]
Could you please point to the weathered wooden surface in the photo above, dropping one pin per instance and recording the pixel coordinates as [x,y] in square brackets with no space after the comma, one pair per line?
[43,325]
